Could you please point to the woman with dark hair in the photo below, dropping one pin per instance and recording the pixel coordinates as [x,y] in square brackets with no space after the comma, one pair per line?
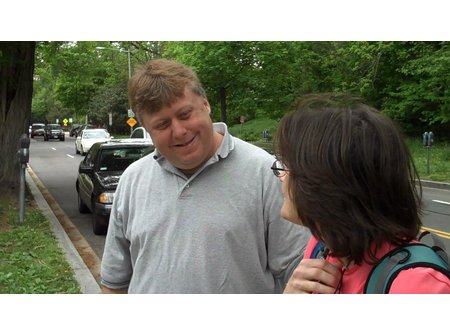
[348,176]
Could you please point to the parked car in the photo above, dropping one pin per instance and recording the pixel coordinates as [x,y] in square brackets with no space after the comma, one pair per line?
[54,131]
[37,129]
[74,129]
[88,137]
[82,127]
[99,174]
[141,134]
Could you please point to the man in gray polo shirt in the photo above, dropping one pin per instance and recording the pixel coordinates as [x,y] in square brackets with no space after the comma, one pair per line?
[201,214]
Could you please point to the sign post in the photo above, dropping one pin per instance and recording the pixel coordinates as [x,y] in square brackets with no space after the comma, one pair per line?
[24,156]
[427,139]
[131,122]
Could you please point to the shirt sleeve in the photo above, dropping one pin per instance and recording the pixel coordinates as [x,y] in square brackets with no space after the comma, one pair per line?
[420,280]
[286,241]
[116,268]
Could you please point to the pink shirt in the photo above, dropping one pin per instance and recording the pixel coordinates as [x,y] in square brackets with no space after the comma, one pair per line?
[415,280]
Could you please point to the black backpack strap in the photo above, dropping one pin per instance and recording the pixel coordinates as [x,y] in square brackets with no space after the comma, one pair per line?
[438,244]
[401,258]
[391,262]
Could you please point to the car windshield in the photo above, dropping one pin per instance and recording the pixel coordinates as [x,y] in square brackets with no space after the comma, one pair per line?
[95,134]
[37,126]
[118,159]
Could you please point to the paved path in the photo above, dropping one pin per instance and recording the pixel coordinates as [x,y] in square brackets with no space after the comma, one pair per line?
[83,275]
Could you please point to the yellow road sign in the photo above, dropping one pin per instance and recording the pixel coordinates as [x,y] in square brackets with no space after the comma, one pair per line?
[65,122]
[131,121]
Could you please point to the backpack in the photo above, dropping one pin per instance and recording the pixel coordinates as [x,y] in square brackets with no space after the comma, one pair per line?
[404,257]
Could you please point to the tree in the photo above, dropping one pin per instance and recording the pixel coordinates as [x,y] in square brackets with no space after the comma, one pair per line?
[257,79]
[419,100]
[226,70]
[16,89]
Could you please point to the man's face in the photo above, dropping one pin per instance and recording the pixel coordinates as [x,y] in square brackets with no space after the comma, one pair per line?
[183,132]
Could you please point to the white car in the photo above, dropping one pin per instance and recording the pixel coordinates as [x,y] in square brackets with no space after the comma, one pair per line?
[141,135]
[88,137]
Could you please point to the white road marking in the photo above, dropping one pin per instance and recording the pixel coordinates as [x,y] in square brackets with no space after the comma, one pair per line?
[70,156]
[442,202]
[53,149]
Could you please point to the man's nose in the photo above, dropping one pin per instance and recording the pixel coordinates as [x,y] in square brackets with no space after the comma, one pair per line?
[178,128]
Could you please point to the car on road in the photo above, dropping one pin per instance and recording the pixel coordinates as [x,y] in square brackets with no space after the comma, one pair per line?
[88,137]
[99,174]
[82,127]
[54,131]
[74,129]
[141,134]
[37,129]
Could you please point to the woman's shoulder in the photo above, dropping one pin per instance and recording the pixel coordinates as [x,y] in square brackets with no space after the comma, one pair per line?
[420,280]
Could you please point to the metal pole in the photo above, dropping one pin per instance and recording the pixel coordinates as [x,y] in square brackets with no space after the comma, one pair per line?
[129,63]
[129,76]
[23,155]
[22,193]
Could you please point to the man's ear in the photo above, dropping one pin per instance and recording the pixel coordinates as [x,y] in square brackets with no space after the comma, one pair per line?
[207,106]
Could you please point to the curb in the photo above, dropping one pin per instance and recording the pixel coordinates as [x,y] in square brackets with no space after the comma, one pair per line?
[84,277]
[435,184]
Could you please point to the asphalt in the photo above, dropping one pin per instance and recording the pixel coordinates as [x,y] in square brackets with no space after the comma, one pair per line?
[88,283]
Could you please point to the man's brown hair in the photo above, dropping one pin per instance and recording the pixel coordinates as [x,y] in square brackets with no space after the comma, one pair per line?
[158,84]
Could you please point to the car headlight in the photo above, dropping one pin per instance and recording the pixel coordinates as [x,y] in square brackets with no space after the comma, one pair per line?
[106,198]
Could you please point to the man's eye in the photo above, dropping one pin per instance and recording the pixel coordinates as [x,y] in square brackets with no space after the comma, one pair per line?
[161,125]
[185,115]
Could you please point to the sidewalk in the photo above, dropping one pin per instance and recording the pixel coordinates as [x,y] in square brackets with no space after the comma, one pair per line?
[435,184]
[84,277]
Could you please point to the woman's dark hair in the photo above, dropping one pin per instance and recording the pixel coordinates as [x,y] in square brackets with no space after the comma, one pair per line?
[351,176]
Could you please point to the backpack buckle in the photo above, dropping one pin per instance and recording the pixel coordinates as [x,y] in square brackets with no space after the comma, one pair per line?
[401,256]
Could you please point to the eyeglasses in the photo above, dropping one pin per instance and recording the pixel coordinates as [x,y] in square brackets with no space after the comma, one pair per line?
[278,169]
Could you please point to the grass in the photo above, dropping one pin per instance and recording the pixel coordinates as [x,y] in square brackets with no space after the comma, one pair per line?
[252,131]
[439,161]
[30,258]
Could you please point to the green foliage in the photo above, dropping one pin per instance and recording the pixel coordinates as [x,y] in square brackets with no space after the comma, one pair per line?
[251,131]
[256,79]
[73,79]
[439,159]
[226,70]
[421,99]
[30,258]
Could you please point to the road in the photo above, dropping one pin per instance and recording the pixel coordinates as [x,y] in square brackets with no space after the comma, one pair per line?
[436,213]
[56,165]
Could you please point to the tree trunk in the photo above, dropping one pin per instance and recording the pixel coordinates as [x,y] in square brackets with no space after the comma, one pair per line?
[223,104]
[16,89]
